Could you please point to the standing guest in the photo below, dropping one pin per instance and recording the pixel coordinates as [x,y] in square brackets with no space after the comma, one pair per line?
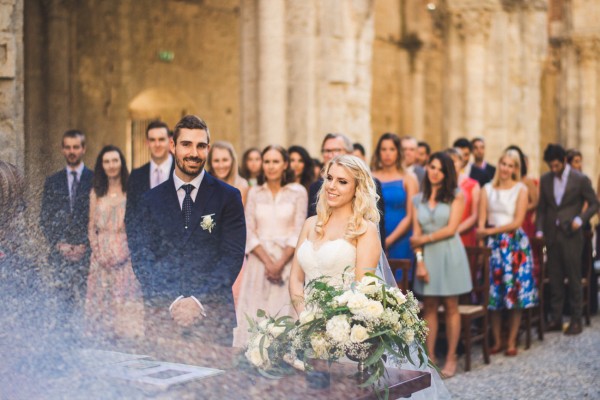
[113,306]
[335,144]
[470,189]
[423,152]
[318,167]
[148,176]
[442,267]
[64,219]
[503,205]
[192,245]
[275,213]
[409,154]
[478,145]
[222,164]
[560,216]
[398,188]
[251,166]
[359,151]
[302,165]
[575,159]
[533,194]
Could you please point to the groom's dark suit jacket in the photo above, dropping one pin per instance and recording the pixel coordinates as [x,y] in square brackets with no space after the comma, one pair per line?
[171,261]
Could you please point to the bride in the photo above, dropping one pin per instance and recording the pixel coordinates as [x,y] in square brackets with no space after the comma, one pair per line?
[343,236]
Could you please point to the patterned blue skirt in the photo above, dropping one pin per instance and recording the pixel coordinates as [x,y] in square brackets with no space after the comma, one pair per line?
[513,284]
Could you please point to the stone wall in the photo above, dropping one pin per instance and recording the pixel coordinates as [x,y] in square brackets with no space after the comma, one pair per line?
[12,140]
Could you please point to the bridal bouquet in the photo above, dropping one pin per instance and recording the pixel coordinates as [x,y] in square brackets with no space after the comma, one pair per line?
[368,322]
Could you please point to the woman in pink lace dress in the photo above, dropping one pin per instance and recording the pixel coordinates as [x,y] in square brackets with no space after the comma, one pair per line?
[113,306]
[275,213]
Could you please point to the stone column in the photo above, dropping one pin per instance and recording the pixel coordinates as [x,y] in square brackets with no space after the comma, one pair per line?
[12,146]
[249,74]
[588,52]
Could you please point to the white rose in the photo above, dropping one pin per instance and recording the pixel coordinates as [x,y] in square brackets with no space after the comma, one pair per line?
[368,289]
[343,298]
[338,328]
[356,302]
[358,334]
[306,316]
[398,295]
[276,330]
[373,309]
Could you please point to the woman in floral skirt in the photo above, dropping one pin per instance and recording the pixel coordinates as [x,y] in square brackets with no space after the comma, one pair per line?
[502,208]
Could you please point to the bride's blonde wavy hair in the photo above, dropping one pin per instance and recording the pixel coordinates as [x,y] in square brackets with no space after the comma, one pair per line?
[364,203]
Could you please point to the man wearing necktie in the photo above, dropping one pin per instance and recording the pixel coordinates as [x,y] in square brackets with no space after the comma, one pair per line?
[64,221]
[191,247]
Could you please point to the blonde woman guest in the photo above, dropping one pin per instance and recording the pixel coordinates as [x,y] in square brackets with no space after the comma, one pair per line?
[251,166]
[343,233]
[222,164]
[442,272]
[113,305]
[533,195]
[502,208]
[398,187]
[470,189]
[275,212]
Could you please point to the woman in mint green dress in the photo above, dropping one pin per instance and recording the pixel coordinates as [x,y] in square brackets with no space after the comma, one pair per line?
[442,266]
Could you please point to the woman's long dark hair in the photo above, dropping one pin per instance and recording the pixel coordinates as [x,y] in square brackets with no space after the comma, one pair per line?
[308,173]
[101,180]
[288,174]
[376,159]
[244,172]
[446,192]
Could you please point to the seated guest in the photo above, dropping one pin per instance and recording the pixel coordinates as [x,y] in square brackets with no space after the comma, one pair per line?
[398,188]
[502,208]
[222,164]
[423,152]
[275,213]
[113,306]
[302,165]
[470,189]
[250,168]
[359,151]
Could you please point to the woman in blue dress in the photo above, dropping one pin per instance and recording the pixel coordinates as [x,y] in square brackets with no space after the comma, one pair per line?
[398,188]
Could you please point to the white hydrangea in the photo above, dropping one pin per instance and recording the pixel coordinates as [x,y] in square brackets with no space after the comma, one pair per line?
[357,302]
[358,334]
[338,328]
[409,335]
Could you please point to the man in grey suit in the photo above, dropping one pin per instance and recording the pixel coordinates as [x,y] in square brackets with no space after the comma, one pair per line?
[560,215]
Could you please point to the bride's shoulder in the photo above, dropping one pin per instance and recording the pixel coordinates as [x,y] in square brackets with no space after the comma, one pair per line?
[371,232]
[309,226]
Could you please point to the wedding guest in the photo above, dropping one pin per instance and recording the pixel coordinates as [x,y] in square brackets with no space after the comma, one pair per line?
[251,164]
[222,164]
[478,146]
[275,213]
[470,189]
[575,159]
[113,306]
[423,152]
[398,188]
[318,168]
[502,208]
[560,217]
[359,151]
[335,144]
[64,219]
[442,272]
[533,193]
[409,155]
[148,176]
[302,165]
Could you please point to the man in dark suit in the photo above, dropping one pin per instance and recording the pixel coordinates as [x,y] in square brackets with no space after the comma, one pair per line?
[479,163]
[64,220]
[149,175]
[560,215]
[482,176]
[193,235]
[333,145]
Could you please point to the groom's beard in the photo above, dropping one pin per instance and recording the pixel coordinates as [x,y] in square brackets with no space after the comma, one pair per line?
[190,170]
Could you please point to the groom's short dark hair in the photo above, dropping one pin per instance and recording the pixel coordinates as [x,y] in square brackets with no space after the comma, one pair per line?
[190,122]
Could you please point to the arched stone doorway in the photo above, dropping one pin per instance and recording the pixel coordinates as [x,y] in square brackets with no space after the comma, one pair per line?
[153,103]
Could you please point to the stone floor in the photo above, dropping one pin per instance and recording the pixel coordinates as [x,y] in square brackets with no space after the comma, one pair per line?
[560,367]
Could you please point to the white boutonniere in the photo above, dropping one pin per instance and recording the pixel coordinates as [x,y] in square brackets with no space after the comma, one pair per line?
[207,223]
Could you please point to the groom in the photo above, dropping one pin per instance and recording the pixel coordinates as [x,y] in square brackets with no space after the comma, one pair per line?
[191,244]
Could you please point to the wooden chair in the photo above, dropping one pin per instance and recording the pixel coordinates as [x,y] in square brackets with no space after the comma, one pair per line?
[405,265]
[536,315]
[473,306]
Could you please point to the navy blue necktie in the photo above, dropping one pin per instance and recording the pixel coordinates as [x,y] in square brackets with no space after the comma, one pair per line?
[74,186]
[186,208]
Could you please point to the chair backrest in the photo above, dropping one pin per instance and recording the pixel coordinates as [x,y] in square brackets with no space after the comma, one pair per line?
[538,251]
[403,264]
[588,255]
[479,264]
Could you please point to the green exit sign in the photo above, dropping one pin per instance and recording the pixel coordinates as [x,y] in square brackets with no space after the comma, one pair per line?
[166,56]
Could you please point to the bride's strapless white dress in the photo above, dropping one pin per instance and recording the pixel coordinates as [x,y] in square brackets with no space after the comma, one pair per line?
[335,261]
